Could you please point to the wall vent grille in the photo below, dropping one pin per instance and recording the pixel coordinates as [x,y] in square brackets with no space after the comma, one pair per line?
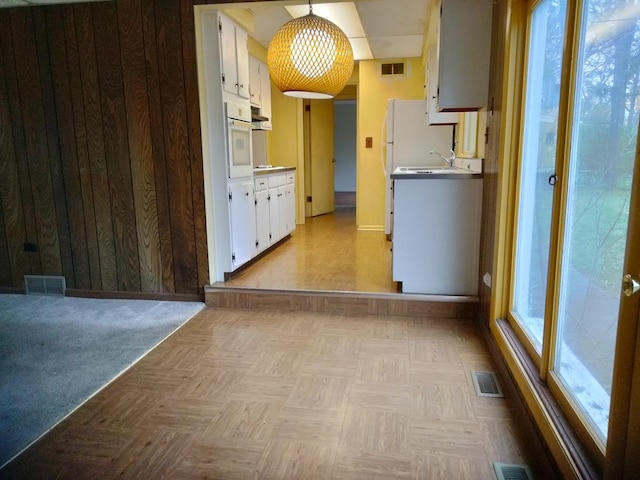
[505,471]
[392,68]
[44,285]
[486,384]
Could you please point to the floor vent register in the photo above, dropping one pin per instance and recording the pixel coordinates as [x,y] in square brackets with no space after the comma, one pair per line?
[44,285]
[505,471]
[486,384]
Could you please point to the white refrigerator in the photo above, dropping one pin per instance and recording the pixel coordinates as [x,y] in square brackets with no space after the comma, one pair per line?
[408,143]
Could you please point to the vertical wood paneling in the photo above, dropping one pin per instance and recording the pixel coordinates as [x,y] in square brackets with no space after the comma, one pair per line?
[172,92]
[19,143]
[5,273]
[82,154]
[114,122]
[37,153]
[195,140]
[141,154]
[64,165]
[90,90]
[16,260]
[100,146]
[157,139]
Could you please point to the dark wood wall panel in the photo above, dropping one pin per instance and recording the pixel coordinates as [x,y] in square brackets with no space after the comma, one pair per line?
[141,153]
[24,177]
[114,123]
[34,123]
[90,89]
[16,262]
[64,165]
[82,154]
[158,142]
[195,140]
[174,115]
[100,148]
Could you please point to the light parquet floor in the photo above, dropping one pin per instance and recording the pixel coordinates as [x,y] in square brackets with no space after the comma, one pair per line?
[245,394]
[326,253]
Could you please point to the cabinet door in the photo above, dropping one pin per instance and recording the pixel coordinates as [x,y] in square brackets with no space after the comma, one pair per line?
[262,219]
[228,54]
[254,81]
[433,116]
[242,214]
[265,95]
[242,53]
[274,215]
[290,207]
[464,60]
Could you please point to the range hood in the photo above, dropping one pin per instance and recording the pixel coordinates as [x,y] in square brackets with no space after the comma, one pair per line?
[256,117]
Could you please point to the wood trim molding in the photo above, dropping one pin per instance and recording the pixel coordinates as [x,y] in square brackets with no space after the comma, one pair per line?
[567,450]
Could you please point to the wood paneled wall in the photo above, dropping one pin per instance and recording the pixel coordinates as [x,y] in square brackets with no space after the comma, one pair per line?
[492,149]
[100,148]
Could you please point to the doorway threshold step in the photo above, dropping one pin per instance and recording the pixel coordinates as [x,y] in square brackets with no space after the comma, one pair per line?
[342,303]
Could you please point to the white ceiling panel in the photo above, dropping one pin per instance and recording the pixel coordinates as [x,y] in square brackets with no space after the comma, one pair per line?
[389,18]
[396,46]
[394,28]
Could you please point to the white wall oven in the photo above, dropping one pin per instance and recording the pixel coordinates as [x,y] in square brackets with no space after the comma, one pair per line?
[239,155]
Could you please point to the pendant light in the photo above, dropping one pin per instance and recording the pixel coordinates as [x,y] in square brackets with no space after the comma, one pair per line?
[310,57]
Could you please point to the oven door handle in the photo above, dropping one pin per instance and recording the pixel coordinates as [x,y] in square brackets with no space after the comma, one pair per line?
[241,124]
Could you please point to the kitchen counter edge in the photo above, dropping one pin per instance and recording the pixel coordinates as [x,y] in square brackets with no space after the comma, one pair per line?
[267,171]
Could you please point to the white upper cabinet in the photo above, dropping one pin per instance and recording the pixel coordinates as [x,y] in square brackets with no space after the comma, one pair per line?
[254,81]
[434,117]
[464,54]
[235,58]
[260,91]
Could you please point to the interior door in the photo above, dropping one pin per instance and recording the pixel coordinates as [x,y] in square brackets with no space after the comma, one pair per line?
[320,156]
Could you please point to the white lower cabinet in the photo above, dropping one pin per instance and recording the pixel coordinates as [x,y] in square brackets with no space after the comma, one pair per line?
[277,220]
[275,208]
[290,202]
[262,219]
[242,216]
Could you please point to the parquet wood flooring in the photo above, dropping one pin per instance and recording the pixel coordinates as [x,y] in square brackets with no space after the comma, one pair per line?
[245,394]
[325,253]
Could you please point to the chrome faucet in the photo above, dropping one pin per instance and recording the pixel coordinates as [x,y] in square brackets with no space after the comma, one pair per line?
[449,161]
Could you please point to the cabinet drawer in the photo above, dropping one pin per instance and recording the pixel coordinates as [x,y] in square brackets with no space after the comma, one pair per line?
[276,180]
[291,178]
[261,183]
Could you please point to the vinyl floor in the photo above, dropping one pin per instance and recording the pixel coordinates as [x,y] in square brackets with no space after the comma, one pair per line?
[248,394]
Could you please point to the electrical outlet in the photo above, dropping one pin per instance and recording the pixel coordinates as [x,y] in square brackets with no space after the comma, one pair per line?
[368,142]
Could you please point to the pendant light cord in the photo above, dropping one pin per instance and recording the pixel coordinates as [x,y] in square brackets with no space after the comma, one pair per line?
[310,7]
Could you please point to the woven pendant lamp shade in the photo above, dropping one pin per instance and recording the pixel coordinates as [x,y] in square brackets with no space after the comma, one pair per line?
[310,57]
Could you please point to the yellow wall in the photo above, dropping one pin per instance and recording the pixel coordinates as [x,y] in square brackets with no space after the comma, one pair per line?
[373,92]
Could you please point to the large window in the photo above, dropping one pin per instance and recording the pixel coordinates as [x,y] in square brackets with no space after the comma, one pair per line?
[579,232]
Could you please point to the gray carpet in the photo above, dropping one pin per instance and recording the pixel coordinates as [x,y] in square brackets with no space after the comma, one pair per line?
[56,352]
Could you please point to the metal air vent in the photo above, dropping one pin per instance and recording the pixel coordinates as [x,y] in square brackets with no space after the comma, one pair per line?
[505,471]
[392,68]
[44,285]
[486,384]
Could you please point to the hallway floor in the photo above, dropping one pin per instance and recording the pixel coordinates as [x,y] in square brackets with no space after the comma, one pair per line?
[326,253]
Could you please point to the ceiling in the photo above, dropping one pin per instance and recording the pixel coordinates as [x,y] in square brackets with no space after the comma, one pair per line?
[393,28]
